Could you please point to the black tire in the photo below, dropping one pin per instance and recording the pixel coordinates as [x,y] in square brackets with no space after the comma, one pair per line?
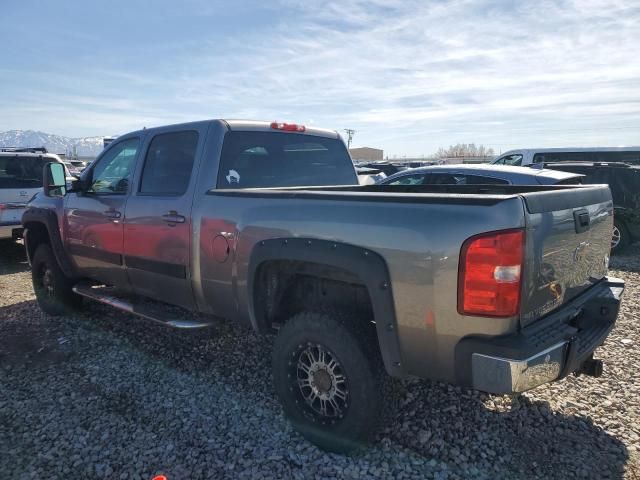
[51,285]
[620,239]
[358,416]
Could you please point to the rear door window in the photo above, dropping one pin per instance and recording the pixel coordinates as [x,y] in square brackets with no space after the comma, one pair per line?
[514,159]
[551,157]
[613,157]
[484,180]
[463,179]
[445,179]
[21,171]
[169,163]
[417,179]
[276,159]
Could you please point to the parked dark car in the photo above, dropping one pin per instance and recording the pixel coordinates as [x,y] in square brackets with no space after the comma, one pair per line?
[481,175]
[385,167]
[624,181]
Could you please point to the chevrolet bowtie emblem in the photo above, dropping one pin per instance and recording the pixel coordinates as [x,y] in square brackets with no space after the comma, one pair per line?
[580,251]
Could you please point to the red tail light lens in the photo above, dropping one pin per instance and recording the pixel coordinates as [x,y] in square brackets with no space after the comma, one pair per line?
[288,127]
[490,274]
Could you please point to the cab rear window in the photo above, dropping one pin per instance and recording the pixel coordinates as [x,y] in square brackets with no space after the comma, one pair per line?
[21,171]
[274,159]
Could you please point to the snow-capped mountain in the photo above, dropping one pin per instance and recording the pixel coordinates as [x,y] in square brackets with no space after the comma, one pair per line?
[84,146]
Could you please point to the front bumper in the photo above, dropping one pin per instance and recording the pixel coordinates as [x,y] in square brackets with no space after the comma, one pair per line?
[548,350]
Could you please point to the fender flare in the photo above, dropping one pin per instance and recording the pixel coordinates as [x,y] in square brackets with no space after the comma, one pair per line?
[366,264]
[49,219]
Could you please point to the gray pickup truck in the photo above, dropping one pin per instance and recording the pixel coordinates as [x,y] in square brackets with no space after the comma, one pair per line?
[494,287]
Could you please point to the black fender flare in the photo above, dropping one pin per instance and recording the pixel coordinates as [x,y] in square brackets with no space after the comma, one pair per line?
[49,219]
[366,264]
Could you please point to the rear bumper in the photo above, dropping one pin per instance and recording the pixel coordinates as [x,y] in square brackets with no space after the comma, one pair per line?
[10,229]
[548,350]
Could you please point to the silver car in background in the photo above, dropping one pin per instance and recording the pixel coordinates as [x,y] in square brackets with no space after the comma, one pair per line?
[483,174]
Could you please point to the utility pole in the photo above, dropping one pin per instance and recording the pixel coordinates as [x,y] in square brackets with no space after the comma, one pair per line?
[350,133]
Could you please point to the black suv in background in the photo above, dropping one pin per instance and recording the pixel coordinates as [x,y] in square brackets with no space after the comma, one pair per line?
[624,181]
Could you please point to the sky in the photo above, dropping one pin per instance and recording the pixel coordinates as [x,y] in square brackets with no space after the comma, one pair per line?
[408,76]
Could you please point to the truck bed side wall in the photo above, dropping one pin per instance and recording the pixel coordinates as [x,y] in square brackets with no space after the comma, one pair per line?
[420,243]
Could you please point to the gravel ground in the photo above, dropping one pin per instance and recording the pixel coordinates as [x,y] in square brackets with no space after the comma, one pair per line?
[106,395]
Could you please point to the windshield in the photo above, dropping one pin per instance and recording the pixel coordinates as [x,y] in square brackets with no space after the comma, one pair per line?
[274,159]
[21,171]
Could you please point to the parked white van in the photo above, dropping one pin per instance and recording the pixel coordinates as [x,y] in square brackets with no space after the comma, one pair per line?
[20,180]
[530,156]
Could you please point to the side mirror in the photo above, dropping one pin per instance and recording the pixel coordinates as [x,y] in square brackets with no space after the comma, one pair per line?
[54,180]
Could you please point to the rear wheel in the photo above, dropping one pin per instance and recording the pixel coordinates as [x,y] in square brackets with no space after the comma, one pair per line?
[620,237]
[330,381]
[52,287]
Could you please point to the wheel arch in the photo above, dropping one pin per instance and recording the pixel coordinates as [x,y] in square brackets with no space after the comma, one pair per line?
[326,261]
[41,226]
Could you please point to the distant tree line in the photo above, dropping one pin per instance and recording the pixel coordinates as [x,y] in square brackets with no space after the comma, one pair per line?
[465,150]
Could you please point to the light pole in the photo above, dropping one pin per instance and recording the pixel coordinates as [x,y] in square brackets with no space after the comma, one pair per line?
[350,133]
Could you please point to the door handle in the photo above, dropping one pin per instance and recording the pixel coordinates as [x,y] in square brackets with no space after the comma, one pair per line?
[581,220]
[112,214]
[173,217]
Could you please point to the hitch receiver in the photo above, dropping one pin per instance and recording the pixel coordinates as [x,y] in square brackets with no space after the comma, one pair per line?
[591,367]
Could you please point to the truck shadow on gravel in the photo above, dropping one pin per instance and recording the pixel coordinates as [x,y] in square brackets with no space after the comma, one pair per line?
[12,257]
[504,437]
[628,260]
[27,343]
[472,434]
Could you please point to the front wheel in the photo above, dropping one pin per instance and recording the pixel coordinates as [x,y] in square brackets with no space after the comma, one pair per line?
[329,380]
[52,287]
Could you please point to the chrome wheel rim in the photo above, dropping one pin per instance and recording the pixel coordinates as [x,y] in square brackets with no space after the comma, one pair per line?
[615,237]
[46,281]
[322,383]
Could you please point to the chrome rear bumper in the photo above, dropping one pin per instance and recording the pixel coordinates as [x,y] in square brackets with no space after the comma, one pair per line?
[557,345]
[495,374]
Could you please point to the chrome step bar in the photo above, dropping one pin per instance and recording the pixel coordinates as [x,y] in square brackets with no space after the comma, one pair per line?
[104,295]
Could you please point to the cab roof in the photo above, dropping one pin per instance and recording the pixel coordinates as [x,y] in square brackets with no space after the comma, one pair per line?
[245,126]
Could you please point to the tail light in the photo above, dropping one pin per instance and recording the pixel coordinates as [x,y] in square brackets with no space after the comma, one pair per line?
[490,274]
[288,127]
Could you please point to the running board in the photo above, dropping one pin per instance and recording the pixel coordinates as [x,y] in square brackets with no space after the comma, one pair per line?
[106,295]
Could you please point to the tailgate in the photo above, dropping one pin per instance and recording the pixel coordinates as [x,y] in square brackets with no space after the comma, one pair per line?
[567,246]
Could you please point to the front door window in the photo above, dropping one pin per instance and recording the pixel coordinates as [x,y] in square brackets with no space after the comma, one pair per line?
[113,172]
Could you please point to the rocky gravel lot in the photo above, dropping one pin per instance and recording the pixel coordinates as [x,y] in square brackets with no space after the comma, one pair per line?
[105,395]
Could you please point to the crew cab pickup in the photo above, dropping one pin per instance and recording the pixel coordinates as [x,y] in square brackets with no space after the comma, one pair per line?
[499,288]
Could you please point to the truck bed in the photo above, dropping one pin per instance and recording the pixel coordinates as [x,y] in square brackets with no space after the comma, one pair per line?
[476,194]
[418,231]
